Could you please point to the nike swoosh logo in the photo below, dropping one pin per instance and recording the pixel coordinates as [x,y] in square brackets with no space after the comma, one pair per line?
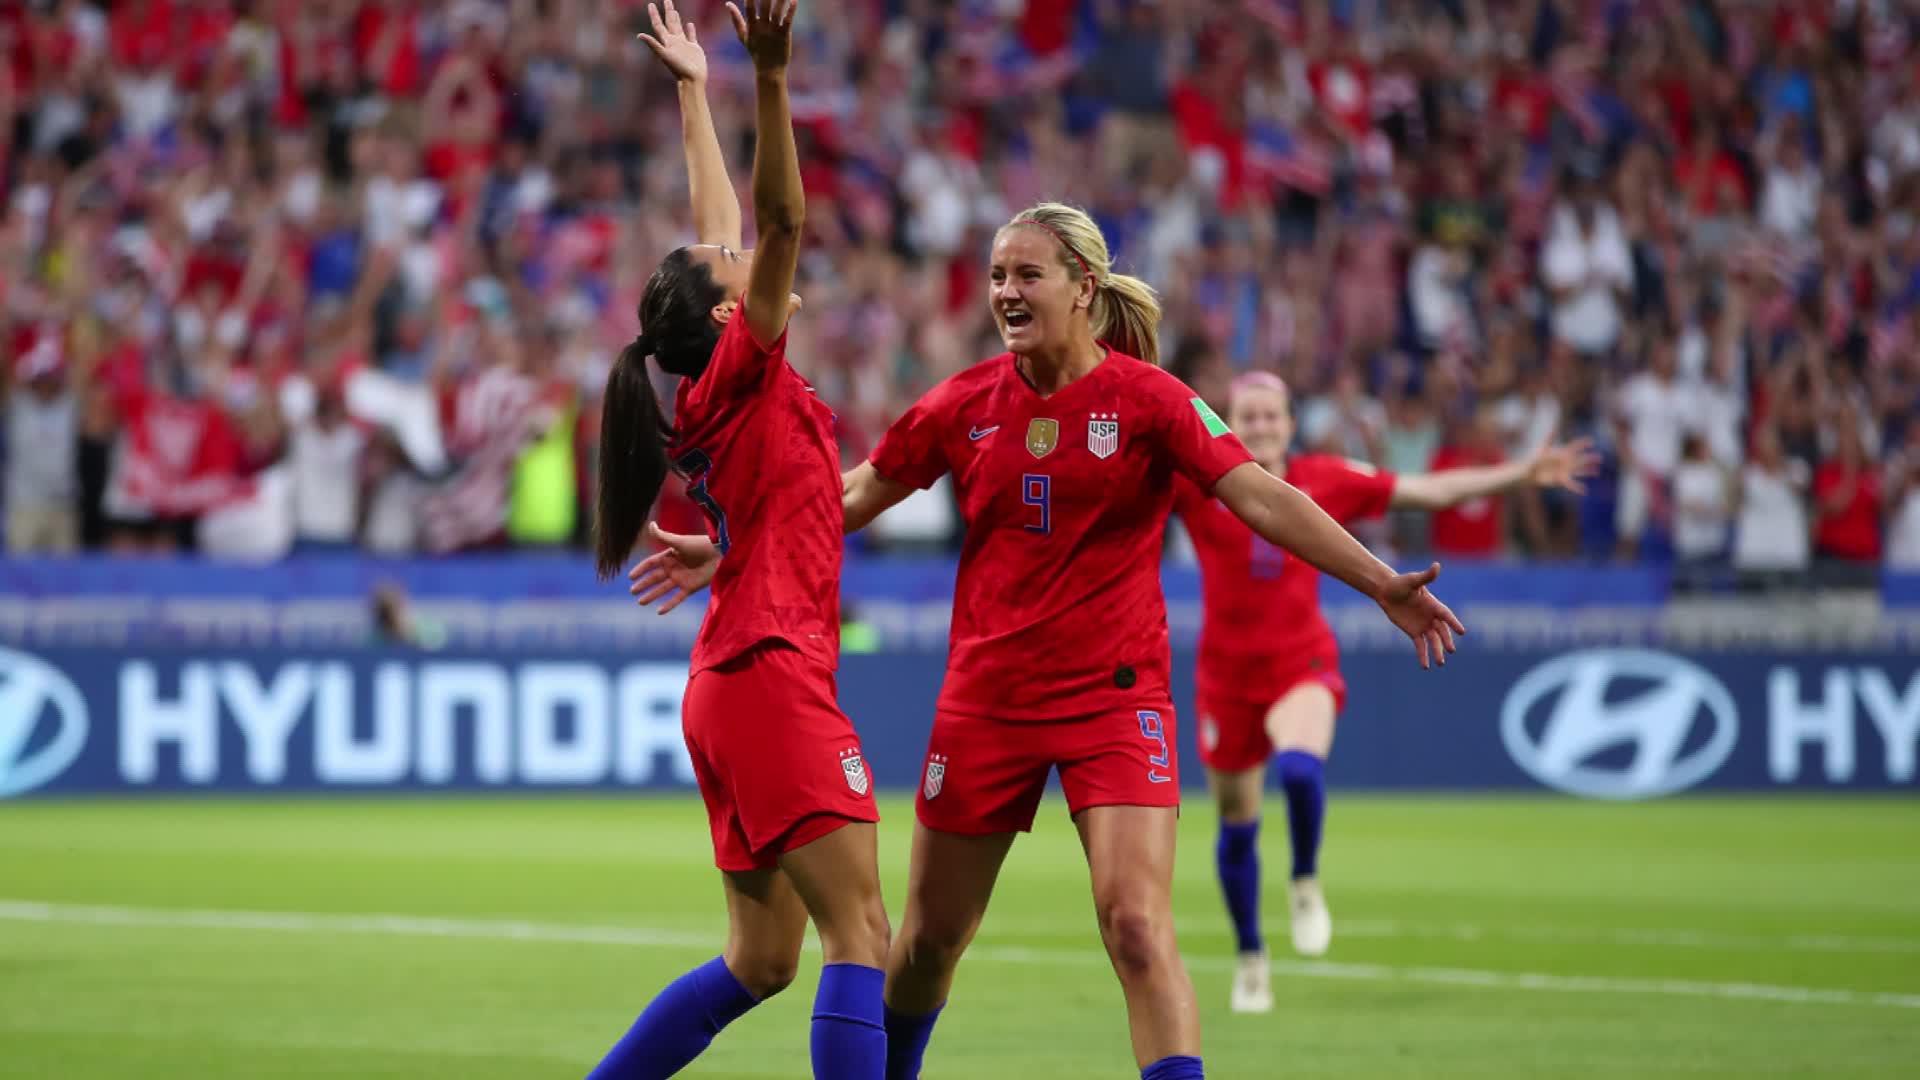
[978,433]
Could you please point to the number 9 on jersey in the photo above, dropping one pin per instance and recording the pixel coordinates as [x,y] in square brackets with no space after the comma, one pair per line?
[1037,490]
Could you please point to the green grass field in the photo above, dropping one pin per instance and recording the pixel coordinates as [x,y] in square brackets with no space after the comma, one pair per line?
[517,938]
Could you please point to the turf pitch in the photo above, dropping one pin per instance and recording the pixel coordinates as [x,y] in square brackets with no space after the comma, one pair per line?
[517,938]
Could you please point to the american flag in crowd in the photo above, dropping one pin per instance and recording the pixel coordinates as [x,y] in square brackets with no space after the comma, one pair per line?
[1276,155]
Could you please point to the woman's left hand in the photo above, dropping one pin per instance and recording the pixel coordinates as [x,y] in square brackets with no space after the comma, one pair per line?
[1420,615]
[765,27]
[683,566]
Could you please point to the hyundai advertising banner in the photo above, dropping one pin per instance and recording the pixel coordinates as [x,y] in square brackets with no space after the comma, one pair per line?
[1597,723]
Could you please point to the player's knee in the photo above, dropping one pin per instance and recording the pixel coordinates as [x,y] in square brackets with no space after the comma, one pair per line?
[764,974]
[1237,805]
[936,944]
[1133,932]
[863,937]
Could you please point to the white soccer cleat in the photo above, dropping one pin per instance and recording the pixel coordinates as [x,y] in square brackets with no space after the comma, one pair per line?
[1253,984]
[1312,924]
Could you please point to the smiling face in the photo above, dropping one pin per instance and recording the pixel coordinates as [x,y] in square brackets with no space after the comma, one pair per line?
[1263,418]
[1035,299]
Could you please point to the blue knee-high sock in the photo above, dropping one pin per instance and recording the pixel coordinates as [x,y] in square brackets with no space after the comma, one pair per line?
[1174,1068]
[677,1025]
[907,1043]
[850,1024]
[1303,778]
[1237,856]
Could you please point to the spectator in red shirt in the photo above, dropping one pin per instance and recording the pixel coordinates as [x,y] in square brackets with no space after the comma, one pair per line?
[1707,176]
[1473,529]
[1847,499]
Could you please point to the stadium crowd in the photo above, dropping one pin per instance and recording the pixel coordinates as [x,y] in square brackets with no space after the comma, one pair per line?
[349,273]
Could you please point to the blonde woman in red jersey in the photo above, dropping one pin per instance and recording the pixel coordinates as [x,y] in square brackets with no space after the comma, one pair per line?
[789,800]
[1269,684]
[1064,451]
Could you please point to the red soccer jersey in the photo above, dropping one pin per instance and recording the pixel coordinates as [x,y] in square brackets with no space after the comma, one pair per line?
[1057,611]
[756,448]
[1262,605]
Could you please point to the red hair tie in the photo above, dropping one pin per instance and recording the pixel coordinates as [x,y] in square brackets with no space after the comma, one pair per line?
[1051,231]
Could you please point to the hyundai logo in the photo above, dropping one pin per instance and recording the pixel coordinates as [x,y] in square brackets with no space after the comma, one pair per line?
[1619,723]
[43,722]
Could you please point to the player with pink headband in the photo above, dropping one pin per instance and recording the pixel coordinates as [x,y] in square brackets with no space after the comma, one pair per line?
[1064,452]
[1269,684]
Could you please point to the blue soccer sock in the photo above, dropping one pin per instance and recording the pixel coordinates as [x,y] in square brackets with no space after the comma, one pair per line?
[1179,1067]
[678,1025]
[1303,778]
[850,1024]
[907,1043]
[1237,857]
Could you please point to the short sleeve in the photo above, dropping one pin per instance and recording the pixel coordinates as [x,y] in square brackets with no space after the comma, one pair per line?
[739,365]
[1192,435]
[913,451]
[1351,490]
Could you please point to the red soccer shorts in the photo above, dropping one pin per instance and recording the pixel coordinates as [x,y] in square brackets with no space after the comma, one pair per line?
[1233,731]
[987,776]
[779,764]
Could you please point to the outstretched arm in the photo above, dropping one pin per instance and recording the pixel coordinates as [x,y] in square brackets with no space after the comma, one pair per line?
[865,495]
[1287,518]
[1563,466]
[779,201]
[716,206]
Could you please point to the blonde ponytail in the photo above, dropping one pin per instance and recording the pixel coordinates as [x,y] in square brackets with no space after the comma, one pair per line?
[1126,315]
[1126,310]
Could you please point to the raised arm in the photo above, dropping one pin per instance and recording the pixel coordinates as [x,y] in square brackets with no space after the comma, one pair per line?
[779,202]
[1287,518]
[1562,466]
[716,206]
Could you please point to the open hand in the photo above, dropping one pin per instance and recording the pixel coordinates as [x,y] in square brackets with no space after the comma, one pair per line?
[1565,466]
[766,29]
[683,566]
[1420,615]
[677,44]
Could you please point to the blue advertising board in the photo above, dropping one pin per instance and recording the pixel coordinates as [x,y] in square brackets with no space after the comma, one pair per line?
[1600,723]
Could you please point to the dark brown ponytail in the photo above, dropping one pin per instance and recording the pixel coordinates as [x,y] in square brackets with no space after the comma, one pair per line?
[634,436]
[680,334]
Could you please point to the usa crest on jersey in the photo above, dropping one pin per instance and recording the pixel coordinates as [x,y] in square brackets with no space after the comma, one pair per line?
[936,776]
[855,768]
[1103,434]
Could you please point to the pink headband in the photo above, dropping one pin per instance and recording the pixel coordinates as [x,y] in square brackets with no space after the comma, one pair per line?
[1051,231]
[1256,380]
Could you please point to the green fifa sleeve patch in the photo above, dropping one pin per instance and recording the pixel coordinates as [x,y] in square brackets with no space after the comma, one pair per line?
[1216,427]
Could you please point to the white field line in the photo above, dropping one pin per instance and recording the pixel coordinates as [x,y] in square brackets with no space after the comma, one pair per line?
[1666,939]
[640,937]
[1620,936]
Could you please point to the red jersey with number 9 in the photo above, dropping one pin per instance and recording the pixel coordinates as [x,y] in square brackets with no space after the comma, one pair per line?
[757,450]
[1262,605]
[1057,611]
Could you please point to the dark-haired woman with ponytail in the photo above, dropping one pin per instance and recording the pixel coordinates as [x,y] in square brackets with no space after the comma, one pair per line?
[788,795]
